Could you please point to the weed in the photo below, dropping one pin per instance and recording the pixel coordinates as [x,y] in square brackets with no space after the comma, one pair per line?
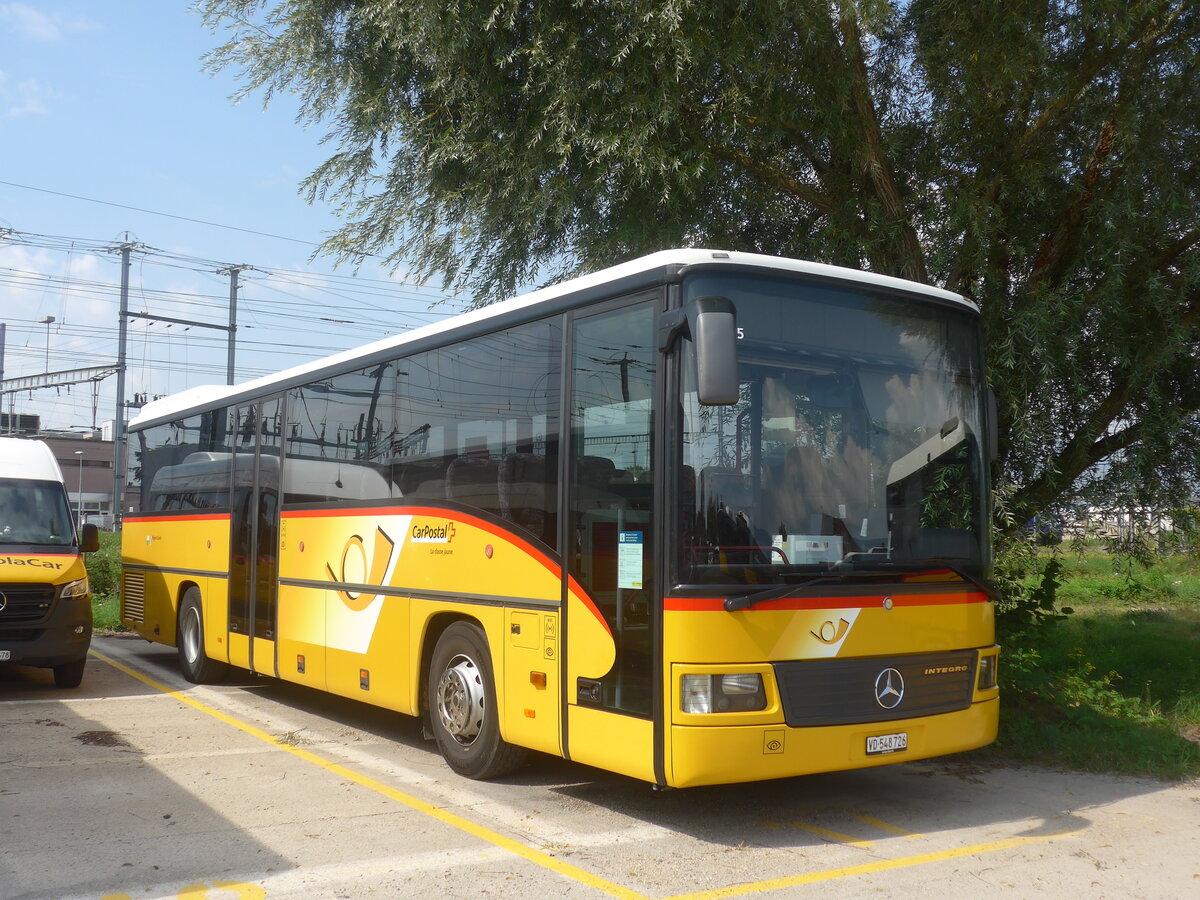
[1115,686]
[104,574]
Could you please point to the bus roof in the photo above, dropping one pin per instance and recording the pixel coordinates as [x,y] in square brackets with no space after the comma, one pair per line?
[646,271]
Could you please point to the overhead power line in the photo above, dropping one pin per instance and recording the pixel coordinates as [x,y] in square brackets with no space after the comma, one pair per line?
[154,212]
[305,315]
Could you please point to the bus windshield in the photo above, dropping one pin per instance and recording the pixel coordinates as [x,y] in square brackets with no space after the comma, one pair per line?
[35,512]
[856,445]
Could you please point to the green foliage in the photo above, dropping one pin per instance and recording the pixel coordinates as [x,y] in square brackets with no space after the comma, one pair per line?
[1116,686]
[1029,601]
[104,574]
[1027,577]
[1041,157]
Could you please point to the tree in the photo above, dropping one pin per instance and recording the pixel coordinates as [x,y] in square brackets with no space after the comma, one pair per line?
[1039,156]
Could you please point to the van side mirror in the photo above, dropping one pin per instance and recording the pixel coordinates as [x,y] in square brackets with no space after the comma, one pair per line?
[89,538]
[711,324]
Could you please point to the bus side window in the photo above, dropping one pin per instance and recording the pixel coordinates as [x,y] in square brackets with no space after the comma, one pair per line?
[524,495]
[474,481]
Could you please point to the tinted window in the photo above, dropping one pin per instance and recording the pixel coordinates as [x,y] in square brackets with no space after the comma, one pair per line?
[338,435]
[477,424]
[473,424]
[183,465]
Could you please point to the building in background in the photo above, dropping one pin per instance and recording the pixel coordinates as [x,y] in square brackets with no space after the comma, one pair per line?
[87,467]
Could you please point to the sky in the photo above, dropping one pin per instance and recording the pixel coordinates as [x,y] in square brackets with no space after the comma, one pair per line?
[111,131]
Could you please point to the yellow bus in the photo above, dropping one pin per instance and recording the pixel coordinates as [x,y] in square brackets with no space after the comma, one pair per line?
[703,517]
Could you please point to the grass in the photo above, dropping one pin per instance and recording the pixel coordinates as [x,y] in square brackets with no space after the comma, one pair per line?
[104,573]
[1115,686]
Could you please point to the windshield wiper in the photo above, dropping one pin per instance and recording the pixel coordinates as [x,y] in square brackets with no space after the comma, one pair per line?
[745,601]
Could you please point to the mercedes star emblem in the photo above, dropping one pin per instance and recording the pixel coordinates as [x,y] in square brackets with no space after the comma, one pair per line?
[889,688]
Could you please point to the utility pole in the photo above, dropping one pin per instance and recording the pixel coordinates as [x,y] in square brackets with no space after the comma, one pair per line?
[125,315]
[47,321]
[119,421]
[233,272]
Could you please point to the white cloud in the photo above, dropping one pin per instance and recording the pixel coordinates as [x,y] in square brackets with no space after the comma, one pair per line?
[27,97]
[34,25]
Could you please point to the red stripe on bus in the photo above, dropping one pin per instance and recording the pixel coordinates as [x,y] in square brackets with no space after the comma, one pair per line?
[187,517]
[574,587]
[483,525]
[717,604]
[432,512]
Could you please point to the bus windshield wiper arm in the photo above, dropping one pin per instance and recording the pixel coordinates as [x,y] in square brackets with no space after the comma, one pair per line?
[745,601]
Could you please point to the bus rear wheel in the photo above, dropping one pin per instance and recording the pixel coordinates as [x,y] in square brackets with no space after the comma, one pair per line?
[195,664]
[462,706]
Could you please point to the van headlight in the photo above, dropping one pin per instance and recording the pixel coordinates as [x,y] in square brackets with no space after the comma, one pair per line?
[741,692]
[75,589]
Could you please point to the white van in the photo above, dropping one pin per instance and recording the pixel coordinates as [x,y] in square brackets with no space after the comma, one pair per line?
[45,600]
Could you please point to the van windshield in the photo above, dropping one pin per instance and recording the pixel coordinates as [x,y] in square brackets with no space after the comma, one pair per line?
[35,512]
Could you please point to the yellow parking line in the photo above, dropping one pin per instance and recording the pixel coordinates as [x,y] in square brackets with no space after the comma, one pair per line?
[485,834]
[883,865]
[556,865]
[884,826]
[836,836]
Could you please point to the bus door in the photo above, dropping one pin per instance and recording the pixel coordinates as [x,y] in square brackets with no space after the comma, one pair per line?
[254,537]
[612,635]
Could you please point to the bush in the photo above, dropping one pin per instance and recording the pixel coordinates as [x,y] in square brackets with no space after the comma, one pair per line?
[104,567]
[104,573]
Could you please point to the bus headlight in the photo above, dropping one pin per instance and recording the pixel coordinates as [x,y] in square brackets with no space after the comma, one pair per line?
[987,672]
[742,692]
[75,589]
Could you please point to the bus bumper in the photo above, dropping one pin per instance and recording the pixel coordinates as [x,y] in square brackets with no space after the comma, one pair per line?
[701,755]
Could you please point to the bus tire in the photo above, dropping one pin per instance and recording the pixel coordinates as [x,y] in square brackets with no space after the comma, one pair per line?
[462,706]
[69,675]
[196,665]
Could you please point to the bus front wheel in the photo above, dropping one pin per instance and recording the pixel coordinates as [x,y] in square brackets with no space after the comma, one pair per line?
[462,706]
[196,665]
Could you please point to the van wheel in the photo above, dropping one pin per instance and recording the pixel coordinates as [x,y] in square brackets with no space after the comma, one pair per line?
[462,706]
[69,675]
[195,664]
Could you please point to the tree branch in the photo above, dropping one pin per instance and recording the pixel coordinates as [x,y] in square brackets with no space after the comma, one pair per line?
[775,177]
[1095,440]
[875,159]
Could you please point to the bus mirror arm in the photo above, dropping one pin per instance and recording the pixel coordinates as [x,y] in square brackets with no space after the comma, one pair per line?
[711,324]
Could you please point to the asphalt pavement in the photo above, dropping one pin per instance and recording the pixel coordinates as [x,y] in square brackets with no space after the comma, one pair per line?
[140,785]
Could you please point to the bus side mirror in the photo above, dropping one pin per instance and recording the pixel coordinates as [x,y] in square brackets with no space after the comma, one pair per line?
[89,538]
[711,324]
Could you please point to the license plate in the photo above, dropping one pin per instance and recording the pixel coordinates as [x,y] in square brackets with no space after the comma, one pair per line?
[5,654]
[887,743]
